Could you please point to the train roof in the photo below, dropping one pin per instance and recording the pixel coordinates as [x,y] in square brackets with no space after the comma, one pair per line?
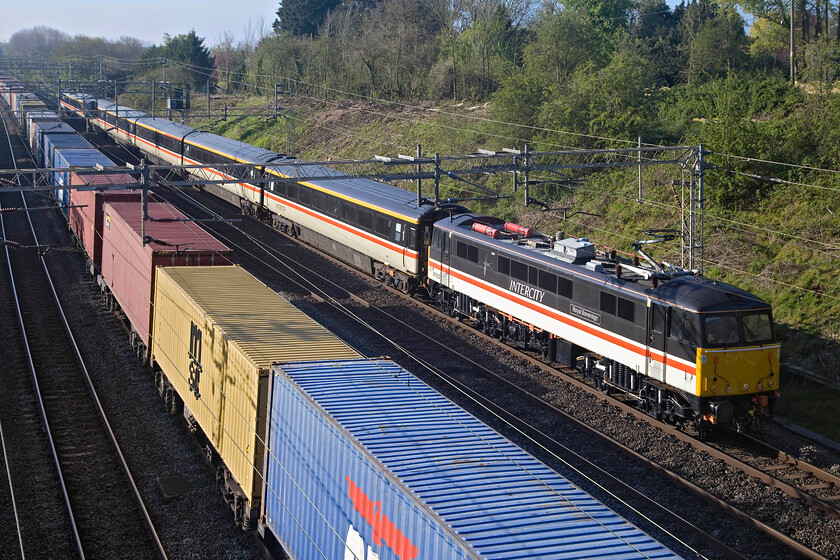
[245,153]
[578,258]
[488,493]
[121,110]
[365,191]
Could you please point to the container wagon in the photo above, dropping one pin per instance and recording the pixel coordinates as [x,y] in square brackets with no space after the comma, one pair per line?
[87,208]
[365,461]
[217,331]
[128,264]
[40,130]
[36,117]
[64,159]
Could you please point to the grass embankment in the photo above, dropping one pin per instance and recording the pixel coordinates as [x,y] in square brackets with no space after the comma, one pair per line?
[783,249]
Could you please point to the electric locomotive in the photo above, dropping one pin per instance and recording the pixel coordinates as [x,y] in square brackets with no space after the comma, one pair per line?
[688,348]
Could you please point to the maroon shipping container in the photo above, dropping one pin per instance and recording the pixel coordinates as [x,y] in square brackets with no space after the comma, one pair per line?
[86,220]
[128,266]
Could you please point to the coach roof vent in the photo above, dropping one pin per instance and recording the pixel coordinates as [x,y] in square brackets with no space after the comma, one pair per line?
[575,250]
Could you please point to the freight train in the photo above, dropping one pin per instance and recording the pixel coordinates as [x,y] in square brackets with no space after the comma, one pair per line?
[333,454]
[689,349]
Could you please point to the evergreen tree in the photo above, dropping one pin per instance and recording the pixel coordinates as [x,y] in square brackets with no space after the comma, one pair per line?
[189,49]
[303,17]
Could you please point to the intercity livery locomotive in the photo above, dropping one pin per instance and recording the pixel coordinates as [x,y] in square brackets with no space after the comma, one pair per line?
[688,348]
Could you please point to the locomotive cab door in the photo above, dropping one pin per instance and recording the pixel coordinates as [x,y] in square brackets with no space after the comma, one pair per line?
[656,334]
[439,251]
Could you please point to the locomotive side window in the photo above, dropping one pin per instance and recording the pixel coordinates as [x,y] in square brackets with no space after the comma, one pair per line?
[472,253]
[504,265]
[437,238]
[519,270]
[626,310]
[564,287]
[548,281]
[658,318]
[461,250]
[608,303]
[675,328]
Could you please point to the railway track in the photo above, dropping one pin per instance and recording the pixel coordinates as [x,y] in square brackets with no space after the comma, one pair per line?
[72,489]
[268,253]
[545,440]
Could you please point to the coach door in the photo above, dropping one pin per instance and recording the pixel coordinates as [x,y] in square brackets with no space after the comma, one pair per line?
[656,334]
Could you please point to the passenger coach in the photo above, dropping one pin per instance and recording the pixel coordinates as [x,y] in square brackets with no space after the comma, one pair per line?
[377,228]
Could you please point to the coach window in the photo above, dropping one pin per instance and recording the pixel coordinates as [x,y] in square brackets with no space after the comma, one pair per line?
[305,195]
[519,270]
[504,265]
[532,275]
[626,310]
[399,230]
[608,303]
[319,199]
[365,219]
[348,212]
[412,237]
[292,191]
[383,226]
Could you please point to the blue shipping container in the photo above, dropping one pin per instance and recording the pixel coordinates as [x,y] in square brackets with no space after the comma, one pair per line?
[68,157]
[365,461]
[41,130]
[53,141]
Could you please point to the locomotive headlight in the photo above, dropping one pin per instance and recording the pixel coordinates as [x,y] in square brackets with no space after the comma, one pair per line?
[746,386]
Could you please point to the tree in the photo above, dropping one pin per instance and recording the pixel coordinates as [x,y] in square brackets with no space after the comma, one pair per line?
[196,64]
[35,41]
[303,17]
[658,30]
[714,41]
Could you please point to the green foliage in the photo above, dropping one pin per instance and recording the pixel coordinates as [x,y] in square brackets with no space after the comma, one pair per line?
[615,101]
[196,64]
[303,17]
[714,41]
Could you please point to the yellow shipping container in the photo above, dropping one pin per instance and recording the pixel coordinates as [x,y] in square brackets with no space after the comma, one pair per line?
[216,332]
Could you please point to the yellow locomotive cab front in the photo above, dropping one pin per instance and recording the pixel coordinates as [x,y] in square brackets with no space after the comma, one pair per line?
[729,372]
